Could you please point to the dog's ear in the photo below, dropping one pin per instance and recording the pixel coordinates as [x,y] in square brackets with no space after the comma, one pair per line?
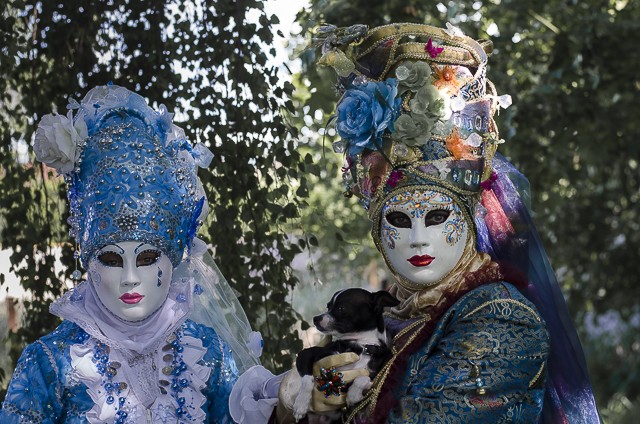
[383,299]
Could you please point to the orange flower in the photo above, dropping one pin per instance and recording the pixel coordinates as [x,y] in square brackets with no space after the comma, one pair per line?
[456,146]
[447,79]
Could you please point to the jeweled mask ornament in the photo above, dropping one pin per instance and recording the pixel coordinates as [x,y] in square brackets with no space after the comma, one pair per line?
[423,235]
[131,279]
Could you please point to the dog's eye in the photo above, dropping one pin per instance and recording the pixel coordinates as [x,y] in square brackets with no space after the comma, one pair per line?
[339,309]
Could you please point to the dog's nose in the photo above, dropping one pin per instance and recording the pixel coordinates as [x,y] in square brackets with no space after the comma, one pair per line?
[317,319]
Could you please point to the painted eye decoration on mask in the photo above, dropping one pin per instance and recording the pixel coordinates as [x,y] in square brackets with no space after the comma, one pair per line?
[402,220]
[144,258]
[390,233]
[148,257]
[399,219]
[110,259]
[436,217]
[453,230]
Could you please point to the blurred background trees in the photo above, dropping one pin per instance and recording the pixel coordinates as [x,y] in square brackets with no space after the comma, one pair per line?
[571,67]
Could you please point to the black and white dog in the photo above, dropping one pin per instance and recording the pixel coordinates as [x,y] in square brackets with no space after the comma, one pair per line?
[355,323]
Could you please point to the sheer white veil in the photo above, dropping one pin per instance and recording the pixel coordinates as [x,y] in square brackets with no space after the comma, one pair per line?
[216,305]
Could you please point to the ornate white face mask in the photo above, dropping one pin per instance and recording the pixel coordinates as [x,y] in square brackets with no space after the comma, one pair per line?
[423,235]
[131,279]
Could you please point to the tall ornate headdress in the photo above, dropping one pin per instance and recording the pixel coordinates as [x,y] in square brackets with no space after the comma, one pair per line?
[416,109]
[131,174]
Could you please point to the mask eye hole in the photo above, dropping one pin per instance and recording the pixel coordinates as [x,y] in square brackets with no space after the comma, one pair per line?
[147,257]
[111,259]
[398,219]
[436,217]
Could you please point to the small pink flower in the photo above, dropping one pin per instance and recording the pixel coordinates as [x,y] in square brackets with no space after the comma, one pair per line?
[432,50]
[394,178]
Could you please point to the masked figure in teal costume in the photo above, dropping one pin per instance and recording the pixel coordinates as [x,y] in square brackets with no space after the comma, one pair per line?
[482,333]
[154,334]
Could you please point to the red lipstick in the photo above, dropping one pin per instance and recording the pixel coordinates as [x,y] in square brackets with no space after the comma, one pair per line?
[423,260]
[131,298]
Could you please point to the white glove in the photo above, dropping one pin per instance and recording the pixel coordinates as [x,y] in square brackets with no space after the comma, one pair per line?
[254,396]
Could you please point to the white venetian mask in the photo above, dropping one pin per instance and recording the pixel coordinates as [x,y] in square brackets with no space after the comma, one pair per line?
[423,235]
[131,279]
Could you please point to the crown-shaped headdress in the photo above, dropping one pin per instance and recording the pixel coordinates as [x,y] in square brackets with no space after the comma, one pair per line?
[416,110]
[131,174]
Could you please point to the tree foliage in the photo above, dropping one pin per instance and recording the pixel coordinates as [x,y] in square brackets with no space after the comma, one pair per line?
[571,68]
[206,59]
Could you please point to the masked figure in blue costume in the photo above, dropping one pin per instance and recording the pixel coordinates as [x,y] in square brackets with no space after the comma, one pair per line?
[482,333]
[154,334]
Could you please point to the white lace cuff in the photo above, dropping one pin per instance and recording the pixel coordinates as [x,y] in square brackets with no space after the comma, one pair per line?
[254,396]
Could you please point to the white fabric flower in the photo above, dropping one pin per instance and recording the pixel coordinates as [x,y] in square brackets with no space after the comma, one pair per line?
[56,141]
[457,103]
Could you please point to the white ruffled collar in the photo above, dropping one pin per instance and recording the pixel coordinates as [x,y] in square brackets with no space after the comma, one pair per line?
[162,386]
[130,369]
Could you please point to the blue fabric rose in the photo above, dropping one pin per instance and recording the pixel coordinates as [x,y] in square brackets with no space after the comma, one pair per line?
[365,112]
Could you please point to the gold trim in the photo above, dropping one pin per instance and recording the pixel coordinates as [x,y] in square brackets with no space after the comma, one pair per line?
[513,301]
[450,55]
[379,35]
[537,376]
[458,50]
[408,328]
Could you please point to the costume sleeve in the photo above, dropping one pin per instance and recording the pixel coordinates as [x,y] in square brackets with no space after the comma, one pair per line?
[224,374]
[486,366]
[34,393]
[254,396]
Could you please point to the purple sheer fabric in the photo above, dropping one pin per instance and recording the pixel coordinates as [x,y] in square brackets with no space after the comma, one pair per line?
[569,396]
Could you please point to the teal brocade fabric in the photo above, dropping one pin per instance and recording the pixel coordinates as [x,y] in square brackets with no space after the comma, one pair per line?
[43,389]
[493,331]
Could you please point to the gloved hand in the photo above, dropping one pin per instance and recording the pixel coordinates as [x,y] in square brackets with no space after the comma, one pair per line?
[254,395]
[290,387]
